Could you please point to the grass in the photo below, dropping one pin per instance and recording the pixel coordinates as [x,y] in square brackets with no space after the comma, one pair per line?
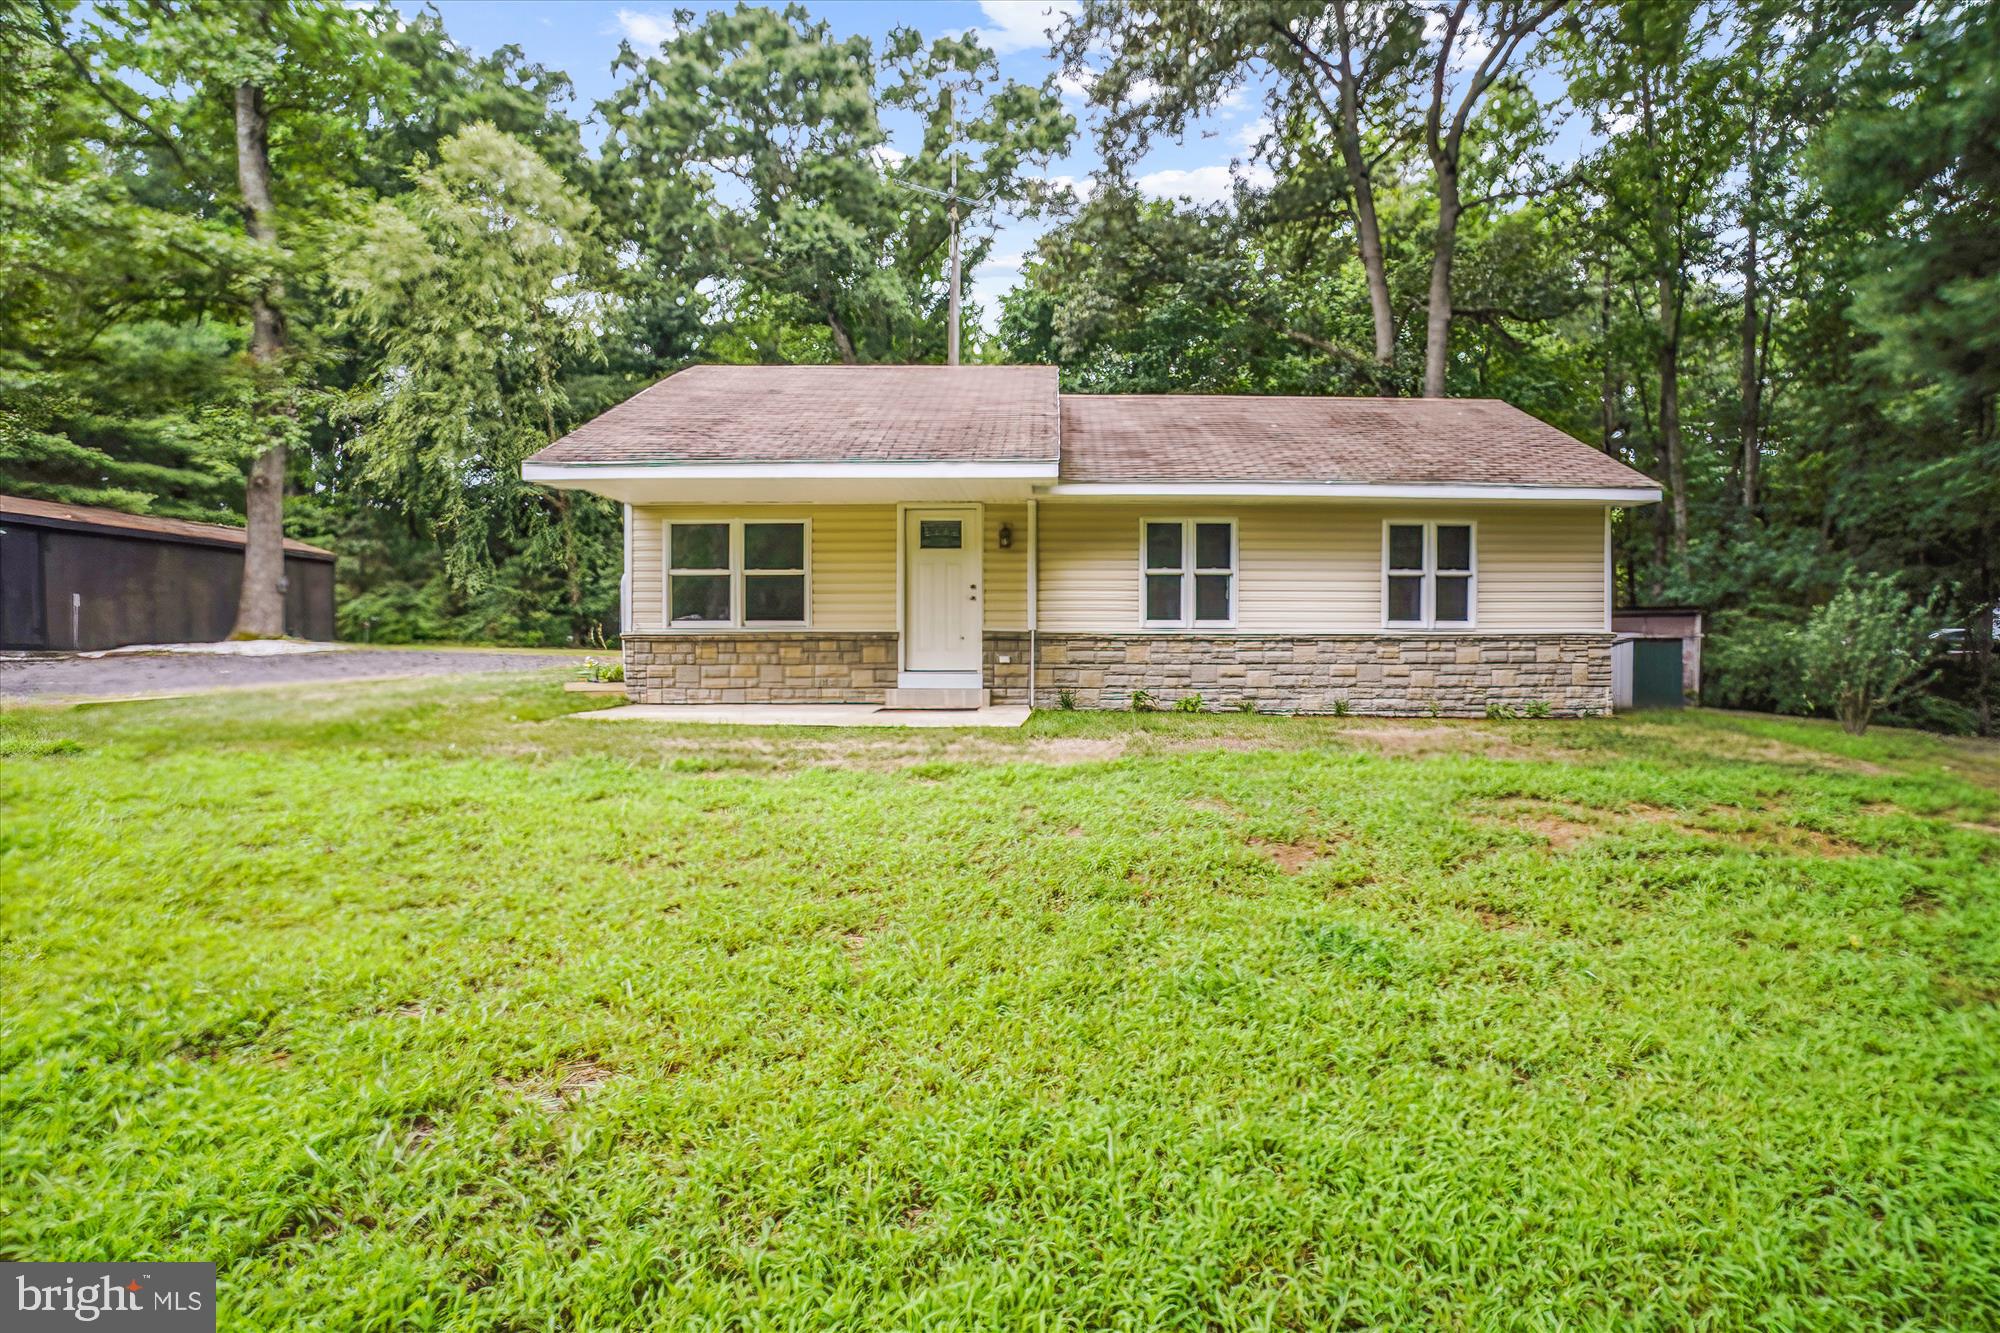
[418,1005]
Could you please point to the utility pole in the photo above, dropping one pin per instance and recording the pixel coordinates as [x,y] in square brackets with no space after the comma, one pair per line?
[951,330]
[954,203]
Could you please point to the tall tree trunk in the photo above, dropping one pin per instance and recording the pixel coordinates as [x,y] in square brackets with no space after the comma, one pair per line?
[1671,449]
[1367,227]
[843,342]
[1752,373]
[1607,387]
[260,607]
[1437,323]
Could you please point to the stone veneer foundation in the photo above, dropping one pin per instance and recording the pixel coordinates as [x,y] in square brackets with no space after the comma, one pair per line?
[1453,675]
[1393,675]
[769,667]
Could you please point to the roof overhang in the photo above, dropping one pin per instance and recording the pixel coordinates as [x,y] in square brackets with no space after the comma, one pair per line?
[790,483]
[1342,490]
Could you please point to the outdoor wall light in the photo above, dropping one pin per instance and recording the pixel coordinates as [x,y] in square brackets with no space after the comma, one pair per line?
[1006,535]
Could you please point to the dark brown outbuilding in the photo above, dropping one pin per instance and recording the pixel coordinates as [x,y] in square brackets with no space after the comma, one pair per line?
[75,577]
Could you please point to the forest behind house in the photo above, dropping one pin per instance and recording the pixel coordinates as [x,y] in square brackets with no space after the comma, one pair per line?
[323,252]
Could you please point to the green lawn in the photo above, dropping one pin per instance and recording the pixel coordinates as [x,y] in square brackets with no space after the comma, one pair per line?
[419,1005]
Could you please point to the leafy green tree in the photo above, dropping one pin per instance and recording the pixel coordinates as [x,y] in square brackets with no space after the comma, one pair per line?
[472,290]
[746,161]
[1340,77]
[1866,650]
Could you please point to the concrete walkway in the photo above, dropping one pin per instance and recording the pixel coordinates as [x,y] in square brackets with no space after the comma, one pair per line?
[811,715]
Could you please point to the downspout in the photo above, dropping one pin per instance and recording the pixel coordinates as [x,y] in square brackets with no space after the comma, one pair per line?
[625,581]
[1034,579]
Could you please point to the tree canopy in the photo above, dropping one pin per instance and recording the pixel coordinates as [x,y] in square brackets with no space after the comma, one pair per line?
[1749,247]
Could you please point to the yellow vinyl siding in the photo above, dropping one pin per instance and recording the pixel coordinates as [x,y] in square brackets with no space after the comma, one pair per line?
[852,569]
[1301,568]
[1317,568]
[1006,572]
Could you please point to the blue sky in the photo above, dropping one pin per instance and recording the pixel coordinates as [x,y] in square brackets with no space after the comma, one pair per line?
[580,37]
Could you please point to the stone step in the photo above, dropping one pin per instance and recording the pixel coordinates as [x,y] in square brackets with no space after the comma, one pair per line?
[936,698]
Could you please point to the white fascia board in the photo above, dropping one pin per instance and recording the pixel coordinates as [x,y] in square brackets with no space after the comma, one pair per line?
[1275,490]
[587,473]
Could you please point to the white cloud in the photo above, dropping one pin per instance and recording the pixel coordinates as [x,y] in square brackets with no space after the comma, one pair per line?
[1250,131]
[1076,85]
[646,29]
[1471,46]
[888,158]
[1201,185]
[1080,186]
[1021,25]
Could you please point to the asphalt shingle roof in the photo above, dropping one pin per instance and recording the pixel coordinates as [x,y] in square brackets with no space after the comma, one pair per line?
[782,414]
[1197,438]
[796,414]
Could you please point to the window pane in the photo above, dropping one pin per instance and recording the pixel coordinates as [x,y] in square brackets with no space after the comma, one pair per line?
[1454,594]
[1163,597]
[1454,546]
[1406,598]
[774,597]
[774,546]
[1406,546]
[1211,596]
[700,597]
[1163,546]
[701,546]
[938,534]
[1211,546]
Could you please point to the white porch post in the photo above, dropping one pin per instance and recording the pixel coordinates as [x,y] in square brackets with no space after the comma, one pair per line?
[1034,582]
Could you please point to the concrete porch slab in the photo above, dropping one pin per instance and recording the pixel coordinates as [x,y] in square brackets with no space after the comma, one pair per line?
[811,715]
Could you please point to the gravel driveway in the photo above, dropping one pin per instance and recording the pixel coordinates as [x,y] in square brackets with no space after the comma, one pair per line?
[137,674]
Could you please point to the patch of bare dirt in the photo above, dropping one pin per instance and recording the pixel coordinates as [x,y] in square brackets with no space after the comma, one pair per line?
[1922,902]
[575,1081]
[1214,805]
[1423,740]
[1965,993]
[1554,824]
[1290,857]
[1492,918]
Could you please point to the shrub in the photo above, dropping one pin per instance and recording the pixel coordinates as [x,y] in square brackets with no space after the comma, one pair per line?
[1066,700]
[1340,707]
[1142,701]
[1188,703]
[1246,705]
[1499,712]
[1866,650]
[1538,708]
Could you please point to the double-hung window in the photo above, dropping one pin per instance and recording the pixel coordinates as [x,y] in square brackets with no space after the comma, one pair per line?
[1188,566]
[737,572]
[1428,575]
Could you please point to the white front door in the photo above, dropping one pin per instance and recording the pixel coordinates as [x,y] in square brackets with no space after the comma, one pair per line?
[942,627]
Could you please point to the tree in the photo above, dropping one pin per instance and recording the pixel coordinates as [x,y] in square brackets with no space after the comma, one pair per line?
[1502,27]
[189,89]
[747,159]
[473,289]
[1340,71]
[1866,650]
[1641,66]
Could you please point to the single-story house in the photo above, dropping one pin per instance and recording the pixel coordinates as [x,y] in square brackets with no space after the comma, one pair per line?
[947,536]
[78,577]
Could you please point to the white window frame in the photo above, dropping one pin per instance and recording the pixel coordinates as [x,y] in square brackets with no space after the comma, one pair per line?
[1429,573]
[1187,572]
[737,574]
